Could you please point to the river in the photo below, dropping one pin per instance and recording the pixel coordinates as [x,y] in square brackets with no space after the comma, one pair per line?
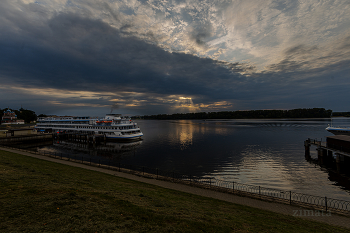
[269,153]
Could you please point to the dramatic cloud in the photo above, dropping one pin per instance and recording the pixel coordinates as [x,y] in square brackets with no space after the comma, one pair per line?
[148,57]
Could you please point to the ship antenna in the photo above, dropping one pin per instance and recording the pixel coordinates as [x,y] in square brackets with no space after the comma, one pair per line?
[332,119]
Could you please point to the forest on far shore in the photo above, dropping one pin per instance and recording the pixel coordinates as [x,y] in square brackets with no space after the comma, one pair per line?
[250,114]
[30,116]
[341,114]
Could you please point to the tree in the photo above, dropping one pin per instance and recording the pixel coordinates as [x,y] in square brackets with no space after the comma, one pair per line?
[26,115]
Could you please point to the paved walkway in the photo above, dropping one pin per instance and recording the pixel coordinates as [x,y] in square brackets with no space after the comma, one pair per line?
[334,219]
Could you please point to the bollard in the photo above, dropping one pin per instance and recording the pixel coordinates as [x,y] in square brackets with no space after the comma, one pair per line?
[307,148]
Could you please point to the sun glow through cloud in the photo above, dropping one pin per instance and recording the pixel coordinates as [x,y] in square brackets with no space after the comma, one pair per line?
[186,104]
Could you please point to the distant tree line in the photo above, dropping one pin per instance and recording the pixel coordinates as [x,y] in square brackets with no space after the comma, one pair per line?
[341,114]
[252,114]
[23,114]
[30,116]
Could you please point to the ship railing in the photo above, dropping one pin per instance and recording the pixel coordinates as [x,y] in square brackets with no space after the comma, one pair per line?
[341,127]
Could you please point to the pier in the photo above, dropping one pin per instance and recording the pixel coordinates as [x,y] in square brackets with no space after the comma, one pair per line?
[80,137]
[23,140]
[334,151]
[16,131]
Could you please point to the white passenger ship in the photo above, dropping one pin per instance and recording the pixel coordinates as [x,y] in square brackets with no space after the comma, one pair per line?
[113,126]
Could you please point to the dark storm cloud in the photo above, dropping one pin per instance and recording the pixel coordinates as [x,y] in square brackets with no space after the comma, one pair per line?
[73,52]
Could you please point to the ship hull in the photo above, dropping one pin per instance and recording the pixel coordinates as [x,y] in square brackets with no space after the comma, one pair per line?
[338,130]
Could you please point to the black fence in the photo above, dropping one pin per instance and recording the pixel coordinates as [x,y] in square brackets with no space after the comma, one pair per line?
[325,204]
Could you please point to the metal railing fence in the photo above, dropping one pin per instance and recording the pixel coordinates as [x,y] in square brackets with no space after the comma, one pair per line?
[289,197]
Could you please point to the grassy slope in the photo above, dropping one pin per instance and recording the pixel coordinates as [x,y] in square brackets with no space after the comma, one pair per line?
[41,196]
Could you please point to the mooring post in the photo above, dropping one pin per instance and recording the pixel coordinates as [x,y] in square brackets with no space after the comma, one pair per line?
[307,148]
[321,155]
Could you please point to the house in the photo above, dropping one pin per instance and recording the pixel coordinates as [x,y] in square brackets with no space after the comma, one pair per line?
[10,118]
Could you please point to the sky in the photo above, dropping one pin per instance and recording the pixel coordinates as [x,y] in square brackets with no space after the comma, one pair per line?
[143,57]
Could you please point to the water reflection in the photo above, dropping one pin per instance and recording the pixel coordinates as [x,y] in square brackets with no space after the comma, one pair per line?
[115,150]
[184,134]
[337,172]
[269,153]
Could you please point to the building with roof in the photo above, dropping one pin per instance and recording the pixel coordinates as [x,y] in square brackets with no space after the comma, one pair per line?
[10,118]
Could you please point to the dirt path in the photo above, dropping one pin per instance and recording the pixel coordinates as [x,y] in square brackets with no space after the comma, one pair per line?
[333,219]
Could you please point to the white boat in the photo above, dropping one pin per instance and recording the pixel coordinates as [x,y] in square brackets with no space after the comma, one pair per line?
[338,130]
[112,126]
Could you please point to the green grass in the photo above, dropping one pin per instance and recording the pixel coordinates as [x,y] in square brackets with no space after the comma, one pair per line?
[41,196]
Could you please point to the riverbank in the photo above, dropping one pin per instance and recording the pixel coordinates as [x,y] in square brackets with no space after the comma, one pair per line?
[39,195]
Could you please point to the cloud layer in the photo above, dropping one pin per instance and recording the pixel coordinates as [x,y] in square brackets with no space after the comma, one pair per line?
[148,57]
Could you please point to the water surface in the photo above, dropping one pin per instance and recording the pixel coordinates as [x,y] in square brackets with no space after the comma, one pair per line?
[269,153]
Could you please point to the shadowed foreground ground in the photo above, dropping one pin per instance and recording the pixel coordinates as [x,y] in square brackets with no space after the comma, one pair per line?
[43,196]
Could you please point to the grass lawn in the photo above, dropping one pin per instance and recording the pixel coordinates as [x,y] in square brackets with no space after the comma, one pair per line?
[42,196]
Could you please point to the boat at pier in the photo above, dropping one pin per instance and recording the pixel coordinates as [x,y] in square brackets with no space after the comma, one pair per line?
[338,130]
[112,126]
